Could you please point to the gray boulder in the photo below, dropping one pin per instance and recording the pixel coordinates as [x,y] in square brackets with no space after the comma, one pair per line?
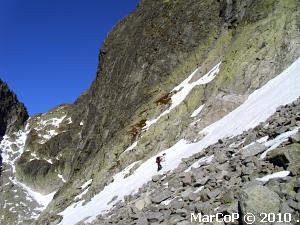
[142,220]
[185,194]
[161,196]
[257,199]
[252,150]
[156,178]
[295,138]
[142,202]
[287,157]
[188,179]
[154,216]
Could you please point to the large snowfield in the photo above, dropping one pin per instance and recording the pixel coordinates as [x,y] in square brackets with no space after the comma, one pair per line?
[260,105]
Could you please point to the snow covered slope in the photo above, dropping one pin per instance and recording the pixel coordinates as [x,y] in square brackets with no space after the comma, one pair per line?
[18,195]
[260,105]
[22,193]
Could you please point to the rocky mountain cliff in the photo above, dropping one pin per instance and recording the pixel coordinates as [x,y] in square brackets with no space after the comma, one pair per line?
[13,114]
[167,72]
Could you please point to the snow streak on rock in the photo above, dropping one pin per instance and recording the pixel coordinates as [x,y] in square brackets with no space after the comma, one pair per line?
[197,111]
[183,89]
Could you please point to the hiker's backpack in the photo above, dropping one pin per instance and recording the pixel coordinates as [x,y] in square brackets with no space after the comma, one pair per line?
[158,159]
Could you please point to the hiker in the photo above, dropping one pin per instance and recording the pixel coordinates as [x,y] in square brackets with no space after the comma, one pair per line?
[1,165]
[158,161]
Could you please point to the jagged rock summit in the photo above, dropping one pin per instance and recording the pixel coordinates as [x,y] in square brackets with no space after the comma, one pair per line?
[13,114]
[203,81]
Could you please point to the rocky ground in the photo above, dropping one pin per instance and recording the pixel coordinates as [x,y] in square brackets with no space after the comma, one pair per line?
[228,177]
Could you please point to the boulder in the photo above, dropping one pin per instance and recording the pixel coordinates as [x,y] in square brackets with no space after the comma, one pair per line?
[252,150]
[295,138]
[201,182]
[193,196]
[287,157]
[156,178]
[182,212]
[257,199]
[158,197]
[221,157]
[142,202]
[174,183]
[175,204]
[185,194]
[228,208]
[142,220]
[213,194]
[188,179]
[154,216]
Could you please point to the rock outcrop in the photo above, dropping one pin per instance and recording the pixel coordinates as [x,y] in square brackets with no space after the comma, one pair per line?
[13,113]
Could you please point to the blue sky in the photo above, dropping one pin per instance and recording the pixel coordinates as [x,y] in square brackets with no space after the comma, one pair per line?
[49,48]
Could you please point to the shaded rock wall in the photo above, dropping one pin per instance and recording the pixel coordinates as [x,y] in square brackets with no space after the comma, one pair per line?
[13,114]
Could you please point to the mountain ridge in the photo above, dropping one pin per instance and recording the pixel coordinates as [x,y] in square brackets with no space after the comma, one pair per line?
[13,114]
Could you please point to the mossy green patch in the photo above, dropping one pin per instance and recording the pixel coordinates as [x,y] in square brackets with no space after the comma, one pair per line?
[255,40]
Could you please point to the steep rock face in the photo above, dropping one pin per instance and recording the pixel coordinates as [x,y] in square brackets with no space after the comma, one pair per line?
[152,49]
[13,114]
[137,56]
[150,52]
[42,165]
[143,58]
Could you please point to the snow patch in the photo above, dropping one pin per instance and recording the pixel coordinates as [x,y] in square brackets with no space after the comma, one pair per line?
[131,147]
[86,184]
[49,161]
[53,122]
[197,111]
[69,120]
[11,150]
[263,139]
[78,197]
[41,199]
[166,202]
[61,177]
[276,142]
[199,189]
[197,164]
[280,174]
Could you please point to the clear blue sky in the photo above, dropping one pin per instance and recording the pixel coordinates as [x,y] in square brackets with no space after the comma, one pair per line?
[49,48]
